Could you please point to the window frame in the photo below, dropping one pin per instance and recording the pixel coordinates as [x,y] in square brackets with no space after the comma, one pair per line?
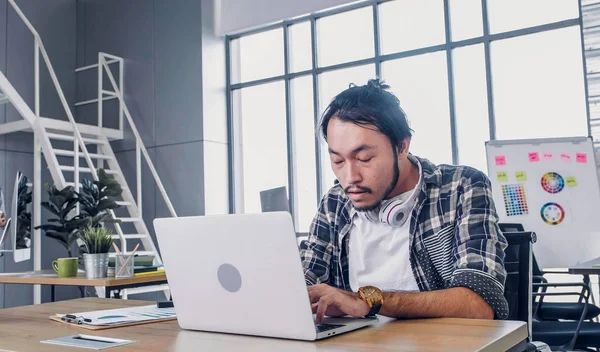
[235,183]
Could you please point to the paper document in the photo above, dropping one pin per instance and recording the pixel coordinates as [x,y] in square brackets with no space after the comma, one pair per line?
[88,341]
[120,316]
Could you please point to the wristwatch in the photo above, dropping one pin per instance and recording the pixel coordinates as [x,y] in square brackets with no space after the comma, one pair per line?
[373,297]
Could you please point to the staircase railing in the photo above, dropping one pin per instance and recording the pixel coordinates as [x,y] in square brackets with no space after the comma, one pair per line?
[38,129]
[79,143]
[140,148]
[39,48]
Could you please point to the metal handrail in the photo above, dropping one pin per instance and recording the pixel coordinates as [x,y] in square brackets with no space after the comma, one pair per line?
[140,148]
[39,48]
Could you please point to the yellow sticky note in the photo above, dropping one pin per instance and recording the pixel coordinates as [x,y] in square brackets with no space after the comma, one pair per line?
[521,176]
[571,181]
[502,176]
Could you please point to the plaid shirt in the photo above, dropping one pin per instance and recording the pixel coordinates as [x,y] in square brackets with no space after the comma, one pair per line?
[454,238]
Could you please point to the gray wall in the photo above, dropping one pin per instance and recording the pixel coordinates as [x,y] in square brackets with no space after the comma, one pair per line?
[56,22]
[161,43]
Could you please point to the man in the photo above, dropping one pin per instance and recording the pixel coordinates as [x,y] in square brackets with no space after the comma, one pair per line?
[397,235]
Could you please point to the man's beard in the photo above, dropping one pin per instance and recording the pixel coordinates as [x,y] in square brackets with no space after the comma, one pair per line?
[388,190]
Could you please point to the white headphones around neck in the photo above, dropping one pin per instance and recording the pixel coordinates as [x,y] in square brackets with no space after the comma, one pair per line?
[395,211]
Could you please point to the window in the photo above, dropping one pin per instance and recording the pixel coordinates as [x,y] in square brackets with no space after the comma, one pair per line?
[507,15]
[457,94]
[408,25]
[257,56]
[421,84]
[471,105]
[345,37]
[465,19]
[260,110]
[304,137]
[538,85]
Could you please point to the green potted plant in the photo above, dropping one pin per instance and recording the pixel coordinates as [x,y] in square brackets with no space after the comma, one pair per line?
[97,242]
[96,198]
[64,227]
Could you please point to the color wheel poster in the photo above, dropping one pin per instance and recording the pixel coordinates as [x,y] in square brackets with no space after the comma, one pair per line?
[551,188]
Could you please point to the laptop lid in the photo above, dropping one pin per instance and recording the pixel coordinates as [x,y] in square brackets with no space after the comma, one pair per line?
[238,273]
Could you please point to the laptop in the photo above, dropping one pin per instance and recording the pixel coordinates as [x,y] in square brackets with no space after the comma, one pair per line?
[241,274]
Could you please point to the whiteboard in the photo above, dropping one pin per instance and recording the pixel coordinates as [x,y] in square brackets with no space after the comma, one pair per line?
[551,187]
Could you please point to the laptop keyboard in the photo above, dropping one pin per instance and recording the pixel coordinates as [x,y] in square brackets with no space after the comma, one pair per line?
[326,327]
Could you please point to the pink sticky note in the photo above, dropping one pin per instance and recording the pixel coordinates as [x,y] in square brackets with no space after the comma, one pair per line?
[565,157]
[534,157]
[500,160]
[547,156]
[582,158]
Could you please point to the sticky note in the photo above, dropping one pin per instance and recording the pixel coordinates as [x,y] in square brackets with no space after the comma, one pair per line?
[534,157]
[571,181]
[521,176]
[502,176]
[581,158]
[500,160]
[547,156]
[565,157]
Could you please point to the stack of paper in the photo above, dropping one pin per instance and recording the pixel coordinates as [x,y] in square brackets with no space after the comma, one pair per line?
[121,316]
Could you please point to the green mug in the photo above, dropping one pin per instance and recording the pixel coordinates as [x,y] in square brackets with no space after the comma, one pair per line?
[65,267]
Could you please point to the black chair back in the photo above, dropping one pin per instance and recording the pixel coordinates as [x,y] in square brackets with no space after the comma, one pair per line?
[515,227]
[517,289]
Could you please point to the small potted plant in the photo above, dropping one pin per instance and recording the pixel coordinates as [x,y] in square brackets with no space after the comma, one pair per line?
[97,241]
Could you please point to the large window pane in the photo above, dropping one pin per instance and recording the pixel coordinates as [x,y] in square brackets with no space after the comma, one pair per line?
[421,84]
[257,56]
[346,37]
[538,85]
[300,47]
[466,19]
[407,25]
[305,170]
[263,139]
[470,97]
[506,15]
[331,84]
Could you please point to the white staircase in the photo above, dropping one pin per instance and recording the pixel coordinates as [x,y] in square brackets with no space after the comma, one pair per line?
[65,146]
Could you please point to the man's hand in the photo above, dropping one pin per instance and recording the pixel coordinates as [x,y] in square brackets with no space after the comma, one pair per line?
[327,300]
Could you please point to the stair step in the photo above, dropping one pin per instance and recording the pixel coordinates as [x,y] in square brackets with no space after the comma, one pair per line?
[65,137]
[80,185]
[71,153]
[85,169]
[130,236]
[123,203]
[129,219]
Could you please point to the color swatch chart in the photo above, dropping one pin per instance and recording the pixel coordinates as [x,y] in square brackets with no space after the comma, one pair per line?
[553,182]
[515,201]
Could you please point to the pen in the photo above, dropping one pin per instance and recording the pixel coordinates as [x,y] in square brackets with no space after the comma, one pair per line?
[74,319]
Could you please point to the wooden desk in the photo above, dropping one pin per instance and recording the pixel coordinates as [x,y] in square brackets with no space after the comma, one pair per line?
[22,329]
[111,284]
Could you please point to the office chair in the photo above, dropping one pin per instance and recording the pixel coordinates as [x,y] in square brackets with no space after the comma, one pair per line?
[520,293]
[553,311]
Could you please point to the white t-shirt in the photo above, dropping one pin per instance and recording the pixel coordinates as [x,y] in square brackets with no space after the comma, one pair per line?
[378,255]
